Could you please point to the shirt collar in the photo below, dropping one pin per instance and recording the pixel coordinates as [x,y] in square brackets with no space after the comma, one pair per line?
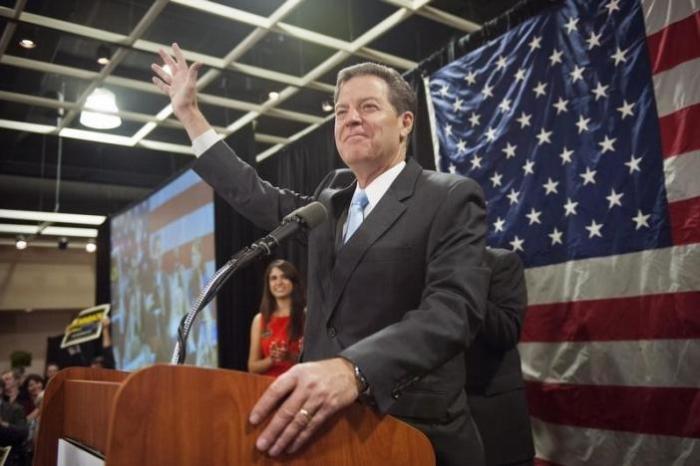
[380,185]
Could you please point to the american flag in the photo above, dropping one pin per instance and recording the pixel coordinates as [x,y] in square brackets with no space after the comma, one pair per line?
[581,125]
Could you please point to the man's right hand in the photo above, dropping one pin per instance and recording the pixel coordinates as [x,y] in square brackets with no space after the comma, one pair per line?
[180,85]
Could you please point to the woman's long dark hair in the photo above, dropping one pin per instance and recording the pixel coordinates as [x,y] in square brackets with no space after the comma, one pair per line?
[268,304]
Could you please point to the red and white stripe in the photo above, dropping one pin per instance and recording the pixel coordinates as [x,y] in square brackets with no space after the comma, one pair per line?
[611,346]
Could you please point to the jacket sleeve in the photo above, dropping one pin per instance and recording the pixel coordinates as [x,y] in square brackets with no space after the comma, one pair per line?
[451,308]
[239,184]
[507,301]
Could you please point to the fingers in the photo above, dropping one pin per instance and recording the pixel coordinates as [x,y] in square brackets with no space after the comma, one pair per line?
[179,56]
[161,85]
[272,396]
[167,59]
[194,71]
[290,419]
[313,425]
[165,77]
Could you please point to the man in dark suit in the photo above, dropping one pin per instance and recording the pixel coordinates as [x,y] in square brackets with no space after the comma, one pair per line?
[494,379]
[395,278]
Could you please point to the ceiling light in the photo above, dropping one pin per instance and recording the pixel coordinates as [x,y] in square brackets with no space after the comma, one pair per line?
[326,106]
[103,55]
[101,99]
[274,95]
[27,43]
[50,231]
[55,217]
[21,243]
[90,246]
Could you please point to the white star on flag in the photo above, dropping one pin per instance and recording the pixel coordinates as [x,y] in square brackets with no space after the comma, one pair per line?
[577,73]
[509,150]
[470,77]
[491,134]
[633,164]
[641,220]
[535,43]
[594,229]
[501,63]
[612,6]
[600,91]
[461,146]
[588,177]
[607,144]
[517,244]
[476,162]
[524,120]
[498,224]
[582,124]
[555,235]
[614,199]
[505,105]
[626,109]
[474,119]
[540,89]
[487,91]
[528,167]
[560,105]
[513,196]
[496,179]
[570,25]
[619,56]
[550,187]
[534,216]
[457,106]
[520,75]
[544,136]
[593,40]
[570,207]
[444,90]
[555,57]
[566,155]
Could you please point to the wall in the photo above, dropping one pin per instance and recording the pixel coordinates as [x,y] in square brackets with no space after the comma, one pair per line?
[41,289]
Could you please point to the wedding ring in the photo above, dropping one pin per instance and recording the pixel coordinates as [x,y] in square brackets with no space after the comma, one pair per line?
[306,414]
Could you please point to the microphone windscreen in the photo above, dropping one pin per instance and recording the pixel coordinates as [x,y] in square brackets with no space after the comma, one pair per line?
[312,214]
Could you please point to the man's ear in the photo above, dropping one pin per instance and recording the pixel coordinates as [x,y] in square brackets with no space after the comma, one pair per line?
[407,119]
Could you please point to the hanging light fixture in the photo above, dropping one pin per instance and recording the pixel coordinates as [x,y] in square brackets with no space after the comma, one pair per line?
[91,246]
[101,99]
[21,243]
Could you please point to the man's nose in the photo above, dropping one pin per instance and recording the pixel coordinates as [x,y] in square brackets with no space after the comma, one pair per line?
[352,117]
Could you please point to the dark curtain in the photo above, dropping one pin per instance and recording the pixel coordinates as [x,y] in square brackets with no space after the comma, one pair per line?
[300,167]
[239,298]
[103,292]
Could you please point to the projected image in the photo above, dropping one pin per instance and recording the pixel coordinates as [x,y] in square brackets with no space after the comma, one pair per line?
[162,255]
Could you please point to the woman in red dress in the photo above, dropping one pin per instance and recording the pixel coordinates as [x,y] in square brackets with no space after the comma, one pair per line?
[276,331]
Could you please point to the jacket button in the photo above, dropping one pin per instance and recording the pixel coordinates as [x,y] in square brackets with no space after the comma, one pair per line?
[396,394]
[332,332]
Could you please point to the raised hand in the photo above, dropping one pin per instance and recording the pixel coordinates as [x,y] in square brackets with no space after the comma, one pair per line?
[307,395]
[180,85]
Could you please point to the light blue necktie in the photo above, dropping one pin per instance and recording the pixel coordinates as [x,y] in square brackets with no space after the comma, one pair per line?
[356,213]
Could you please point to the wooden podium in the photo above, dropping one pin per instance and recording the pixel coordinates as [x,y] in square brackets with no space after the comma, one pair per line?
[182,415]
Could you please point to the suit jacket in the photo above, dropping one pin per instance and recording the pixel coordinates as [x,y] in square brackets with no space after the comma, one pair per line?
[399,299]
[494,378]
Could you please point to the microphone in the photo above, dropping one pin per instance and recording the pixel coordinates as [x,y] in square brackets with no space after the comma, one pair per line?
[308,216]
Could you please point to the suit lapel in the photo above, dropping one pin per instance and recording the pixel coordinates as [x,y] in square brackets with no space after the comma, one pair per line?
[382,217]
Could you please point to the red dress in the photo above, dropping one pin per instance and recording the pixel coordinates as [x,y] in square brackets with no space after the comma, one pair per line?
[274,334]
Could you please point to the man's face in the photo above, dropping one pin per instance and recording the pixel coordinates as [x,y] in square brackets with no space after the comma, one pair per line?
[51,370]
[9,380]
[368,130]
